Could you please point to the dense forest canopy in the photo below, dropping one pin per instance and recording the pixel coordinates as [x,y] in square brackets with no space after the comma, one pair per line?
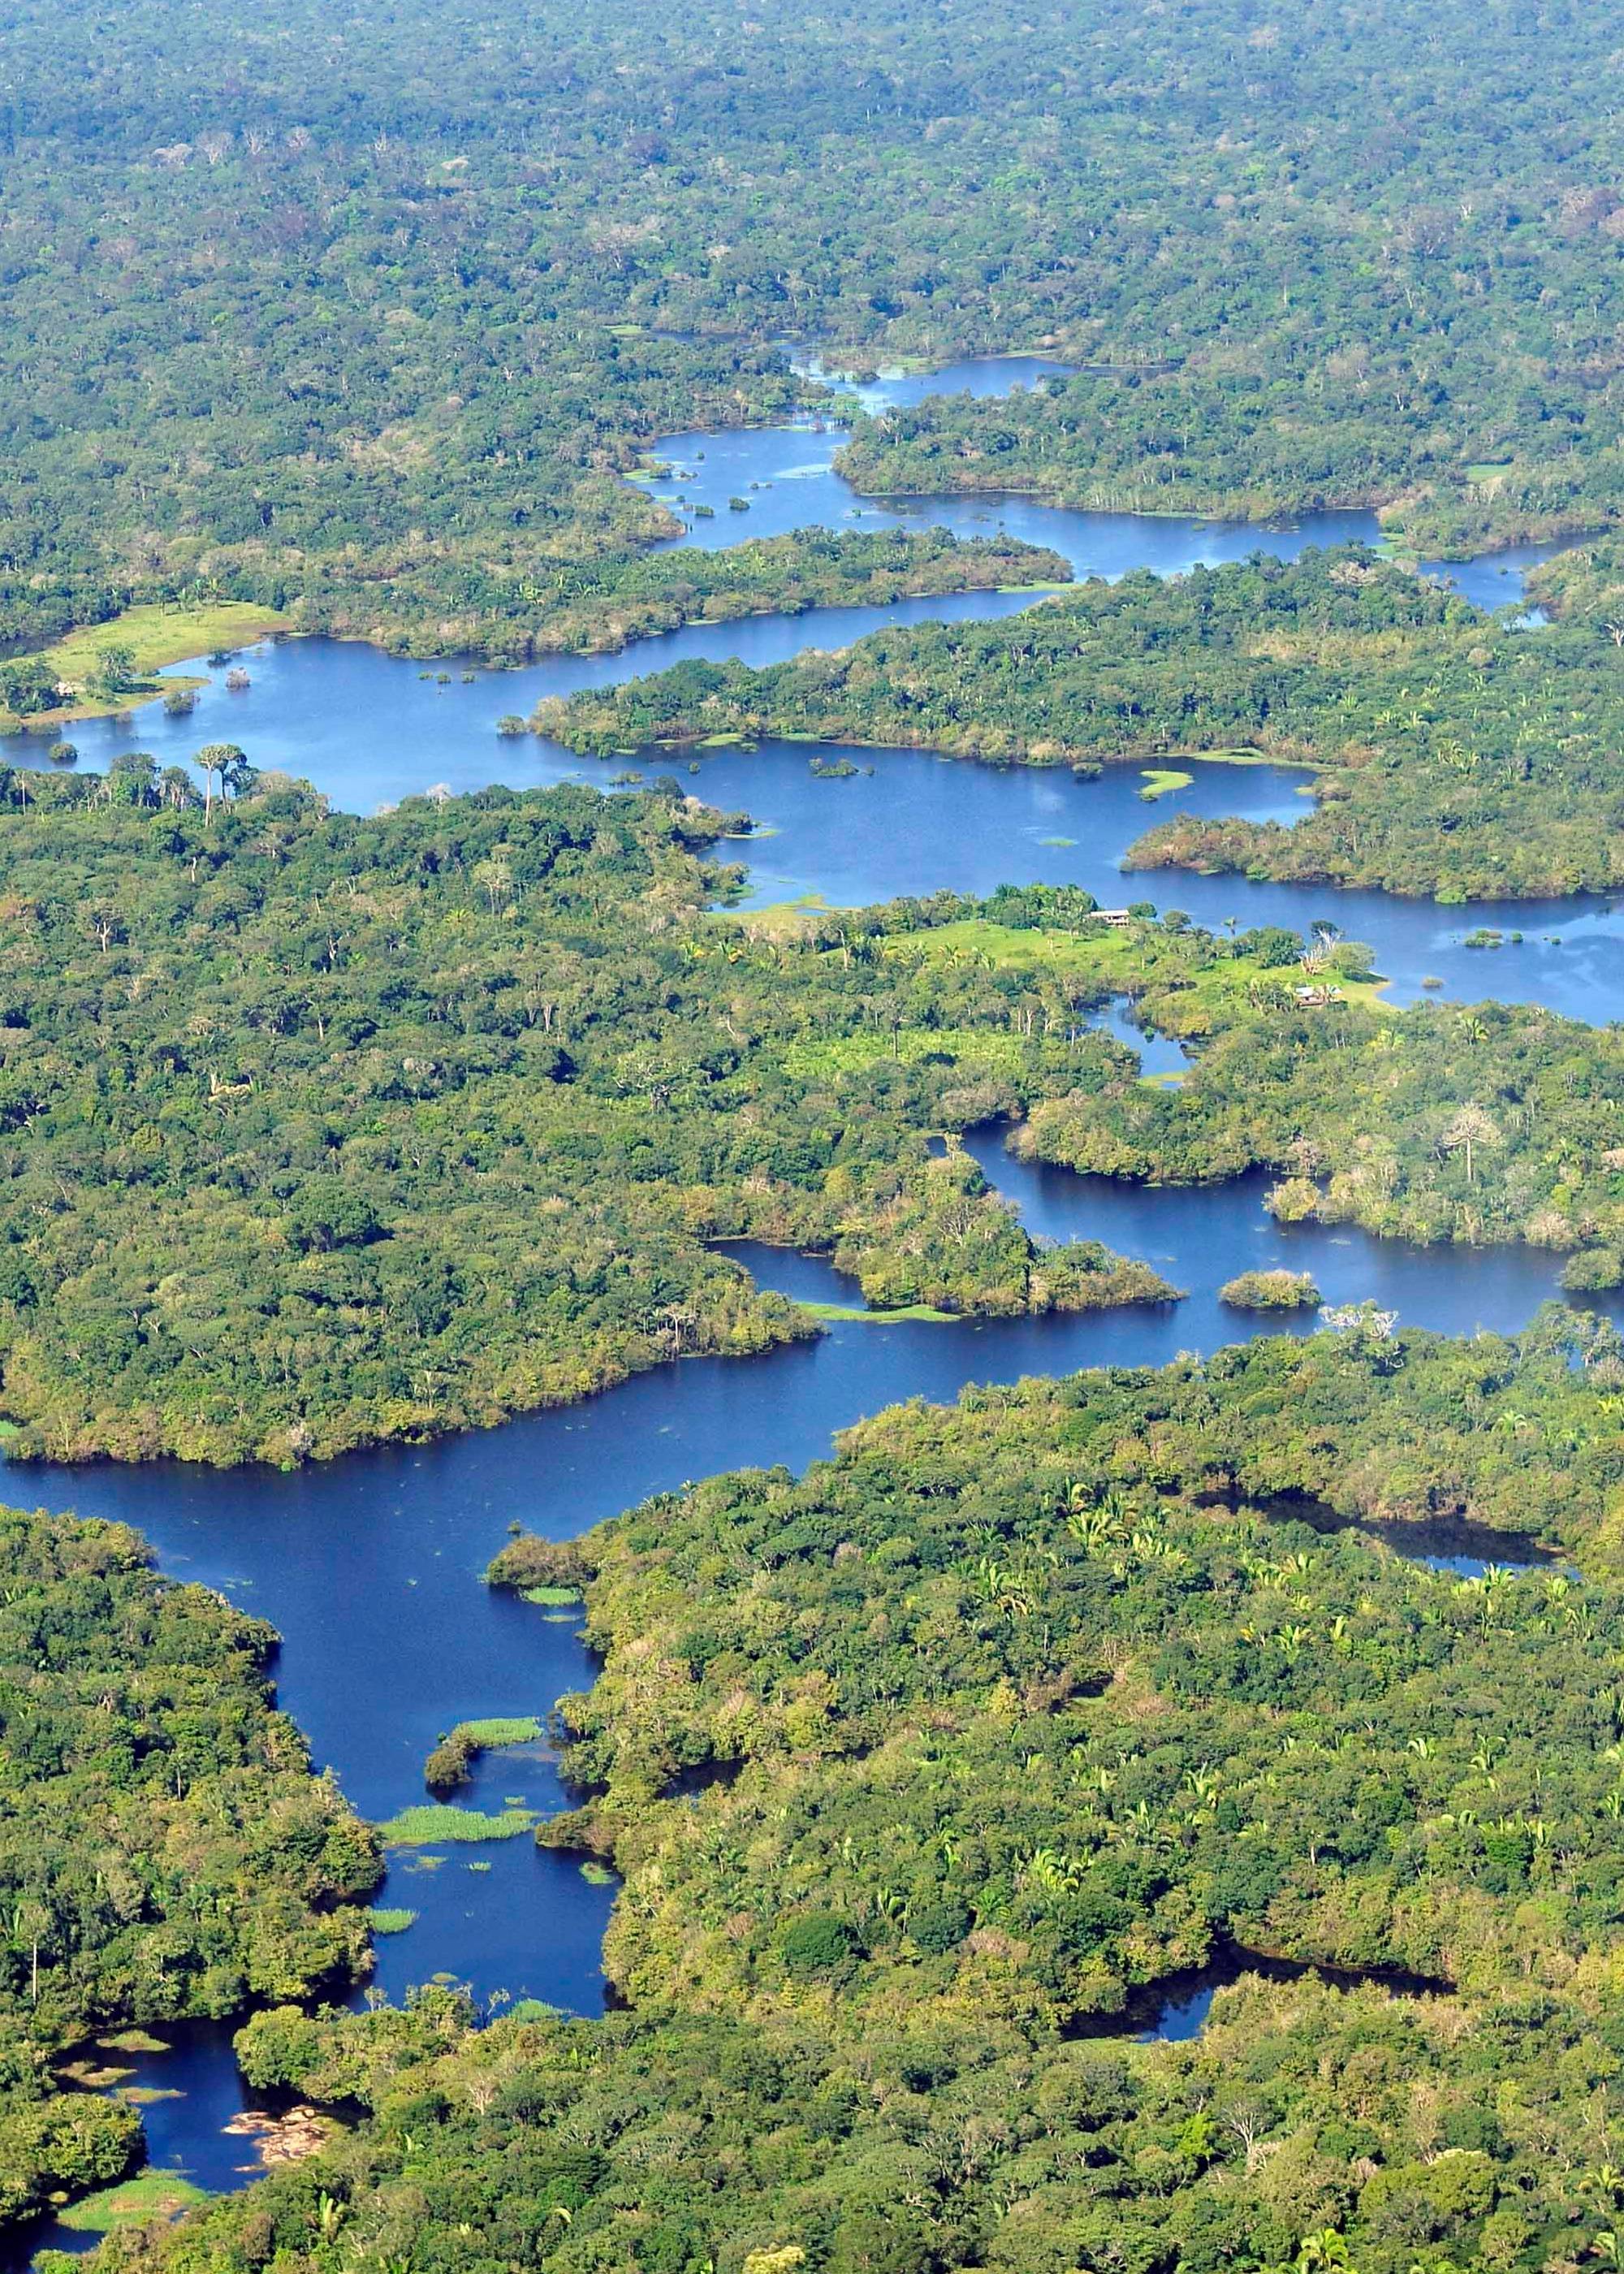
[368,318]
[927,1773]
[321,1130]
[164,1851]
[1023,1704]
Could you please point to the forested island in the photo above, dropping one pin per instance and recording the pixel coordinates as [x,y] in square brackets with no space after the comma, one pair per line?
[1456,753]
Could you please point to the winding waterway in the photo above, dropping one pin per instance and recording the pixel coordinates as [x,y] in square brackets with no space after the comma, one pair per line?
[370,1566]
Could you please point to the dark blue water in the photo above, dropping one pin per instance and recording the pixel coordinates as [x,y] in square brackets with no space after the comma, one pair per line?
[971,827]
[370,1566]
[367,728]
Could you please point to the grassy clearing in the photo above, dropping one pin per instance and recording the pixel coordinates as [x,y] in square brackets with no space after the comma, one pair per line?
[1115,961]
[133,2041]
[782,920]
[552,1598]
[597,1875]
[132,2202]
[430,1825]
[157,636]
[1247,757]
[503,1729]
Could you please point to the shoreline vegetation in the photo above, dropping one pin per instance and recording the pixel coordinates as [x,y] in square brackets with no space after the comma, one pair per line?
[481,1084]
[596,608]
[166,1853]
[478,1084]
[1455,755]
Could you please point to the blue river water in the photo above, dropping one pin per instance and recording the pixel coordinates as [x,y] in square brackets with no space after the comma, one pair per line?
[370,1567]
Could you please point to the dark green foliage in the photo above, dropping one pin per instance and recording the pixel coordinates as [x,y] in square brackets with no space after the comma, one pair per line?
[340,1130]
[164,1851]
[1036,1703]
[1460,756]
[366,322]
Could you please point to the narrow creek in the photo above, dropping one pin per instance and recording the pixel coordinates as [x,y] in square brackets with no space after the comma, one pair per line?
[370,1567]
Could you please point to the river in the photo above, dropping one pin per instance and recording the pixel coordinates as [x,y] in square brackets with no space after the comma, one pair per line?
[370,1566]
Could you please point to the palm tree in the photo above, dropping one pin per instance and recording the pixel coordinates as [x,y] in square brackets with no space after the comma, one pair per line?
[230,764]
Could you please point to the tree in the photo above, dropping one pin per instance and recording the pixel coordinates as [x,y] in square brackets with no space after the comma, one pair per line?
[1471,1126]
[115,671]
[224,761]
[29,686]
[131,778]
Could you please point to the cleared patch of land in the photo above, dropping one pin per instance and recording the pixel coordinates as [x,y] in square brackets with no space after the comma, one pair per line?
[156,636]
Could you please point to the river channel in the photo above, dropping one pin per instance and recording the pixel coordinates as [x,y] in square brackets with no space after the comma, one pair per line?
[370,1566]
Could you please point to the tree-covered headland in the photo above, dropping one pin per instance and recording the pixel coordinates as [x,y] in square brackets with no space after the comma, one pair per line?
[1012,1710]
[165,1854]
[1456,753]
[324,1131]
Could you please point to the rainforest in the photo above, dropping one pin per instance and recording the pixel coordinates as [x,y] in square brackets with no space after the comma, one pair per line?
[812,1139]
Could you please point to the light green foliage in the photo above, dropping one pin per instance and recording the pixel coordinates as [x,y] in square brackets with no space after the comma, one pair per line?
[345,1130]
[387,1918]
[428,1825]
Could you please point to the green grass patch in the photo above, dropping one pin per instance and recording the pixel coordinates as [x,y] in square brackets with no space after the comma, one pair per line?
[157,636]
[132,2202]
[1161,781]
[133,2041]
[530,2009]
[1113,960]
[431,1825]
[385,1918]
[506,1729]
[143,2096]
[597,1875]
[914,1311]
[552,1596]
[1244,757]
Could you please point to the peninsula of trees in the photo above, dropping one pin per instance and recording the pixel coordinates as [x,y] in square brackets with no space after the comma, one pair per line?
[327,1131]
[165,1854]
[1013,1711]
[1456,753]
